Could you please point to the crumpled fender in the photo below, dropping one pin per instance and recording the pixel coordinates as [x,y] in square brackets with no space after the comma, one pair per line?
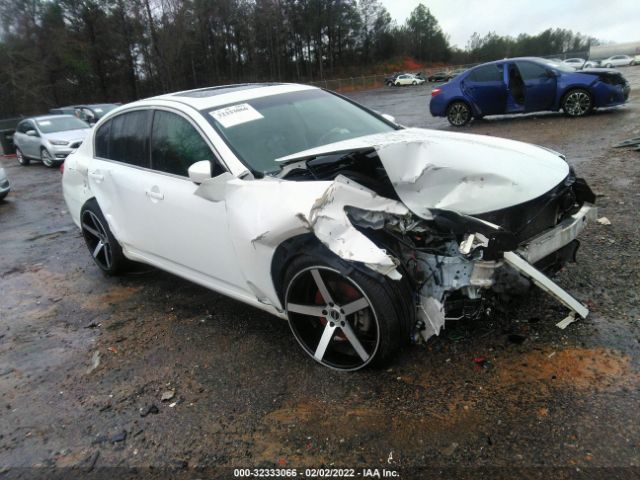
[263,213]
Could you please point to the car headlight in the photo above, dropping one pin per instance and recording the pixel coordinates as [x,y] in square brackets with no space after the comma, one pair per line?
[59,142]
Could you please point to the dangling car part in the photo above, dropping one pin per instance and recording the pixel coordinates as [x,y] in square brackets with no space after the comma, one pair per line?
[364,235]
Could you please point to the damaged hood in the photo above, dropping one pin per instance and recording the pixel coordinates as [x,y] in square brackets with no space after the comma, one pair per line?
[470,174]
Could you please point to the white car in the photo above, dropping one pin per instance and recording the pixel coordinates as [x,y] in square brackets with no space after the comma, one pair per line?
[617,61]
[408,79]
[48,138]
[580,63]
[362,234]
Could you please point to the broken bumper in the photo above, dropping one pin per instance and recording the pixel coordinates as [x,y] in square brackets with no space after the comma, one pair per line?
[562,234]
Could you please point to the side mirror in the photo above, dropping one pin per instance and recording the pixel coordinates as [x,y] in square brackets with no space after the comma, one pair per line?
[391,118]
[32,133]
[551,74]
[200,171]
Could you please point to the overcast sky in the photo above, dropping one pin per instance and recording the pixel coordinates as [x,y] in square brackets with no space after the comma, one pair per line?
[609,20]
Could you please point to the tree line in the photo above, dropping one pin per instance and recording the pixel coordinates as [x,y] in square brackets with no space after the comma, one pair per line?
[59,52]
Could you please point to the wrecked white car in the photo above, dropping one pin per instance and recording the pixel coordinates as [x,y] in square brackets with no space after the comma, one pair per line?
[363,234]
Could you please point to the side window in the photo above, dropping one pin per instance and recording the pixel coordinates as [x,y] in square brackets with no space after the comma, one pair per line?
[129,139]
[21,128]
[487,73]
[176,145]
[102,140]
[530,70]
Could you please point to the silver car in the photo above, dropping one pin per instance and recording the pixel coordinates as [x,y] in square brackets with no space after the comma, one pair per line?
[48,138]
[4,184]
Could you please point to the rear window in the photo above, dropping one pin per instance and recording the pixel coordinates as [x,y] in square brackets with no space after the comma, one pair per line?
[125,138]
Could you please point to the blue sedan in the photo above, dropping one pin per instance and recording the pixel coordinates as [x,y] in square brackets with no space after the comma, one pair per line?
[527,84]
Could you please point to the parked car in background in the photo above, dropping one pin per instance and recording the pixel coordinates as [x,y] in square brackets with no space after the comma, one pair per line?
[90,113]
[576,63]
[68,110]
[48,138]
[456,72]
[364,235]
[441,76]
[391,79]
[94,112]
[528,84]
[636,60]
[617,61]
[5,188]
[408,79]
[580,63]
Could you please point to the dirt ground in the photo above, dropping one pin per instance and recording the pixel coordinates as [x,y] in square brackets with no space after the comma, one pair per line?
[509,393]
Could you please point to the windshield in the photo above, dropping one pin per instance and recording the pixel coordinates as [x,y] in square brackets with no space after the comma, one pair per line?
[263,129]
[558,66]
[60,124]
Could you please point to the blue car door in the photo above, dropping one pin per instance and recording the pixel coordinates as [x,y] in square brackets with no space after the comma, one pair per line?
[540,85]
[484,86]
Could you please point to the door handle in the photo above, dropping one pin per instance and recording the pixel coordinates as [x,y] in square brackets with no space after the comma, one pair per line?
[96,176]
[155,195]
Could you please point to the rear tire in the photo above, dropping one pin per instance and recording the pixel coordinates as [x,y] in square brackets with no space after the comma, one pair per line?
[22,160]
[458,113]
[343,318]
[577,102]
[103,246]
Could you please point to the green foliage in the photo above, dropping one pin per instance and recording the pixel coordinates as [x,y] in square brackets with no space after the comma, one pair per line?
[61,52]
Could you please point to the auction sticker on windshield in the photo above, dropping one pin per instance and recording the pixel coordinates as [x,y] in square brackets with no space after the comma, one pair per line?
[235,115]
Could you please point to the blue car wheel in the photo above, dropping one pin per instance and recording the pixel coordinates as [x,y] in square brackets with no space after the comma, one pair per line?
[458,114]
[577,102]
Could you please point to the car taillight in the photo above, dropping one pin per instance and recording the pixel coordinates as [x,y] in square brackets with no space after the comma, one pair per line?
[435,91]
[62,167]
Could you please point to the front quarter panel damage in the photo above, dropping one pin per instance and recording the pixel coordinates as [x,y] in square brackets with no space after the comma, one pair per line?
[343,215]
[261,214]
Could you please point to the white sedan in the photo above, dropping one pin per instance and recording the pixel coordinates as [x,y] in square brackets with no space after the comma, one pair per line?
[617,61]
[408,79]
[364,235]
[580,63]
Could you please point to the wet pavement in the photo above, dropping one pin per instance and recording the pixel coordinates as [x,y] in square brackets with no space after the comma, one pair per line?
[84,358]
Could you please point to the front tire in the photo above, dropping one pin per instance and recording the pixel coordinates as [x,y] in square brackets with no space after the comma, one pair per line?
[22,160]
[459,114]
[341,317]
[103,246]
[577,103]
[46,158]
[608,65]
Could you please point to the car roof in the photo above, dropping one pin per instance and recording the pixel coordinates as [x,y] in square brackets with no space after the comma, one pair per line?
[534,59]
[208,97]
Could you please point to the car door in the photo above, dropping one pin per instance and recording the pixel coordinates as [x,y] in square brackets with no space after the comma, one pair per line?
[186,231]
[540,86]
[31,143]
[485,87]
[117,172]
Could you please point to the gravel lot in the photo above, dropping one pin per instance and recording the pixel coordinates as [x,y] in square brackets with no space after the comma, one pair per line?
[246,396]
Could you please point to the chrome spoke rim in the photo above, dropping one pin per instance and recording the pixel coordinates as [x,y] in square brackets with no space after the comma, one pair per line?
[332,318]
[578,103]
[95,235]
